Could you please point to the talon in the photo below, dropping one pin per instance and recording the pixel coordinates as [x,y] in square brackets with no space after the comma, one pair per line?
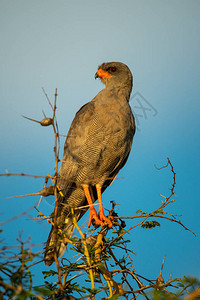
[93,215]
[101,212]
[105,219]
[101,219]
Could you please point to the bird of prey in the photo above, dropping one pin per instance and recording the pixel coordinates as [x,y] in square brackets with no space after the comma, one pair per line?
[96,148]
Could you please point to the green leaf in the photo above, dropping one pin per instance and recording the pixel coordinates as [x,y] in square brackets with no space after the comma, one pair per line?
[48,273]
[43,290]
[150,224]
[157,212]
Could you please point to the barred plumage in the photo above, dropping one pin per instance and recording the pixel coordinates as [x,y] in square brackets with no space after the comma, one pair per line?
[96,148]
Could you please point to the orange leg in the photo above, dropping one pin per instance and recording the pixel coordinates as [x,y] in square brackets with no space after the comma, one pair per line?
[101,212]
[93,213]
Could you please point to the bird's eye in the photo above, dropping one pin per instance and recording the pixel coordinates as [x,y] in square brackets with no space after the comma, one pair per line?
[113,69]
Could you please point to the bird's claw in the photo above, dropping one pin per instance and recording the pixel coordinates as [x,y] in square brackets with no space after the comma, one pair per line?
[100,220]
[93,215]
[103,218]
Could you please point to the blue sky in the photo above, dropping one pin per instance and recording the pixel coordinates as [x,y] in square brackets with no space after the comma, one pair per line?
[59,44]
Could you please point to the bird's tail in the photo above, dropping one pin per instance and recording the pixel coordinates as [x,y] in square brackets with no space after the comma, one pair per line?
[57,241]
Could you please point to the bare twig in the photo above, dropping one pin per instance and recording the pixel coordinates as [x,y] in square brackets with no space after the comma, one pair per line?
[160,209]
[22,174]
[17,217]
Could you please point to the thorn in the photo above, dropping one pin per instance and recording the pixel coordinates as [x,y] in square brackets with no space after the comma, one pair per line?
[30,119]
[44,114]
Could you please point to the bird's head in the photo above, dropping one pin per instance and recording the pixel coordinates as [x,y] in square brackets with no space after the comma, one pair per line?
[114,74]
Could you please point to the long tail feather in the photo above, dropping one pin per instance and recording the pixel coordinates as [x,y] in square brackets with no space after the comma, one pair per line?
[56,242]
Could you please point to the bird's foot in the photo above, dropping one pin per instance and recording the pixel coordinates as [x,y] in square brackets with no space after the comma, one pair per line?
[93,216]
[103,218]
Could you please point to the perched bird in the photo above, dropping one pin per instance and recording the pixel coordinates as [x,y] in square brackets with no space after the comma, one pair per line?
[96,148]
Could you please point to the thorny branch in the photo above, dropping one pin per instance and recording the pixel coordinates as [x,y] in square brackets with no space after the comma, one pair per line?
[159,213]
[21,174]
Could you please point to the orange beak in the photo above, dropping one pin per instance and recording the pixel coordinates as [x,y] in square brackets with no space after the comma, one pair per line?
[102,74]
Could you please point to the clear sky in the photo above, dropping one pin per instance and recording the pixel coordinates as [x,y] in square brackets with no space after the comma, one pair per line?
[59,44]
